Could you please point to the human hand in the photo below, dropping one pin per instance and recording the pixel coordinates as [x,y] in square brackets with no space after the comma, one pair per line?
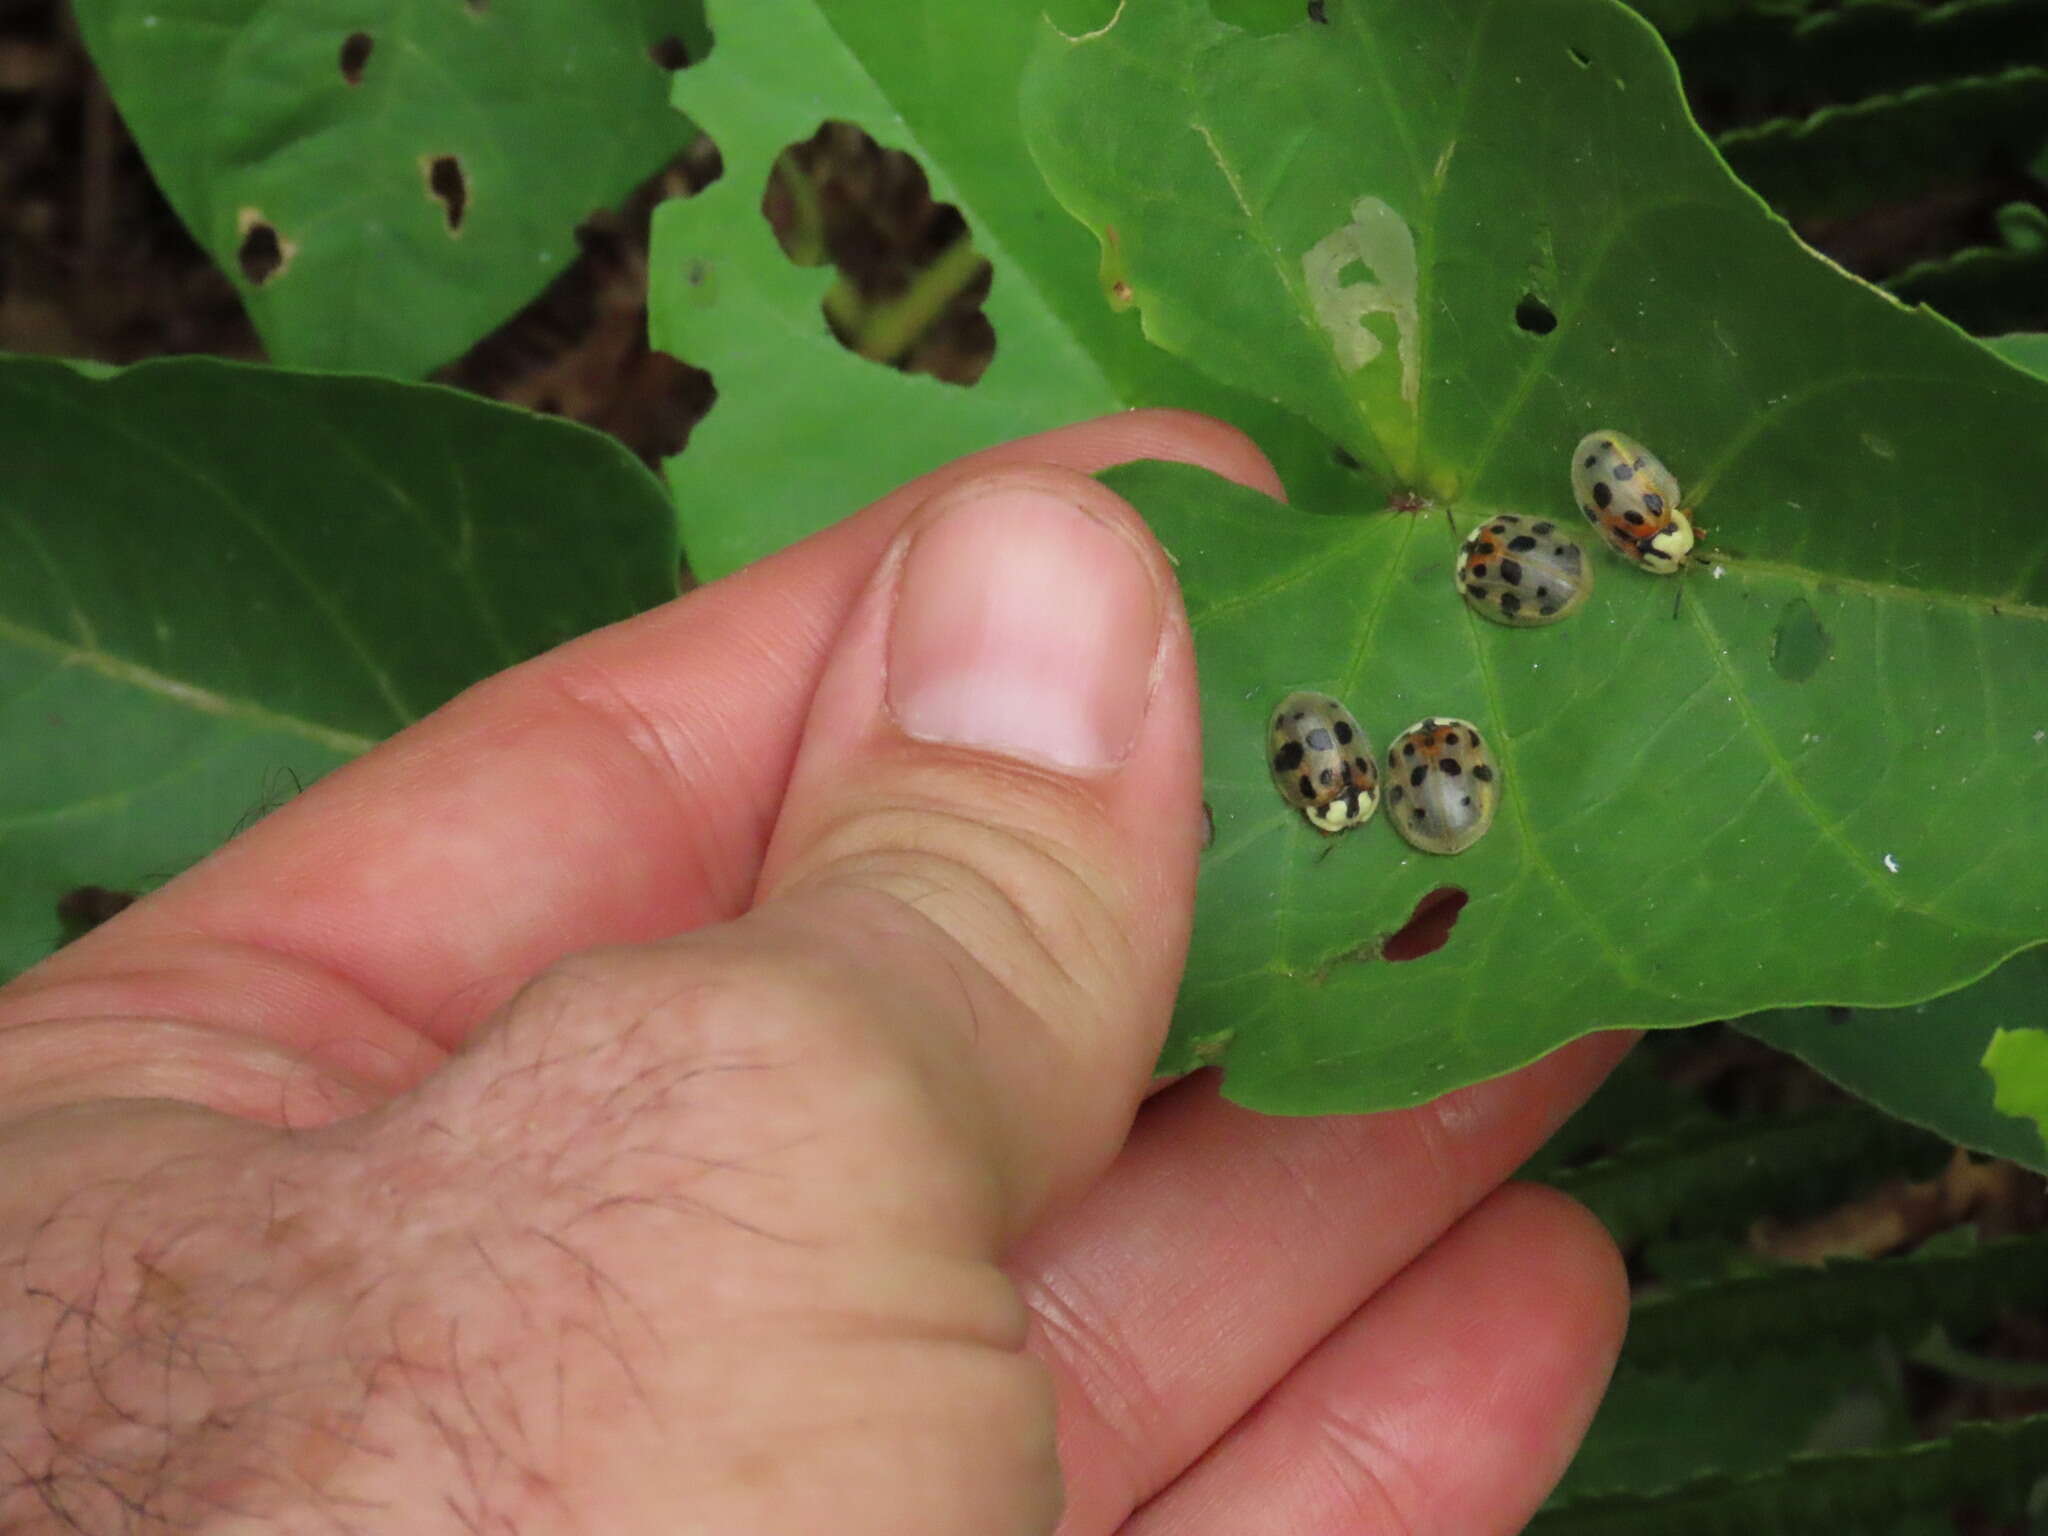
[688,1083]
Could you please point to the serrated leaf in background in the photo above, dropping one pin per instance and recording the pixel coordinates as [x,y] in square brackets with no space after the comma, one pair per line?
[217,582]
[353,131]
[1923,1063]
[1986,288]
[1765,60]
[1660,1429]
[1795,775]
[805,432]
[1990,1467]
[1893,147]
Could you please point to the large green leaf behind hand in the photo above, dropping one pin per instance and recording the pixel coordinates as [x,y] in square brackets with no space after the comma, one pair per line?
[218,582]
[325,121]
[1456,237]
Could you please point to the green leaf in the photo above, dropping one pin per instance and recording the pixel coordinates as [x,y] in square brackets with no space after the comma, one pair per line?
[1659,1429]
[1791,776]
[1922,1063]
[1892,147]
[1991,1466]
[1985,288]
[218,582]
[804,431]
[2024,349]
[1751,1317]
[2017,1060]
[249,119]
[1719,1177]
[1812,56]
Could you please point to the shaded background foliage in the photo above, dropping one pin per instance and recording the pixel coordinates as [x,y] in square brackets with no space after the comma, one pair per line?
[1902,1386]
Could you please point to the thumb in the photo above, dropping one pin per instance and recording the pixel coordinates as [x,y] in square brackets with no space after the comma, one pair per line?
[997,806]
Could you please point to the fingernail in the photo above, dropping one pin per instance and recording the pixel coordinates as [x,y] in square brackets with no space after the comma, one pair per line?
[1024,626]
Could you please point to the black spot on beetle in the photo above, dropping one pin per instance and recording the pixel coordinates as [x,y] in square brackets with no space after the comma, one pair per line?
[1510,604]
[1653,501]
[1482,773]
[1451,766]
[1479,570]
[1521,544]
[1633,518]
[1419,813]
[1511,572]
[1396,794]
[1591,515]
[1308,788]
[1288,758]
[1407,749]
[1603,495]
[1450,738]
[1343,730]
[1327,777]
[1541,529]
[1417,775]
[1474,591]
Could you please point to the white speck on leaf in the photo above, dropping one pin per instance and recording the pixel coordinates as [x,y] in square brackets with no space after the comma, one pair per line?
[1891,864]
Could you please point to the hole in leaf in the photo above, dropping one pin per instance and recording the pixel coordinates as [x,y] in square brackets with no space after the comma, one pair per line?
[450,188]
[1580,57]
[1428,926]
[580,346]
[355,53]
[476,7]
[1319,12]
[1344,458]
[1535,316]
[261,255]
[911,283]
[83,909]
[670,53]
[1208,826]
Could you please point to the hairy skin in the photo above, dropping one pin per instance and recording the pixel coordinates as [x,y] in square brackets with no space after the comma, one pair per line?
[462,1291]
[560,1120]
